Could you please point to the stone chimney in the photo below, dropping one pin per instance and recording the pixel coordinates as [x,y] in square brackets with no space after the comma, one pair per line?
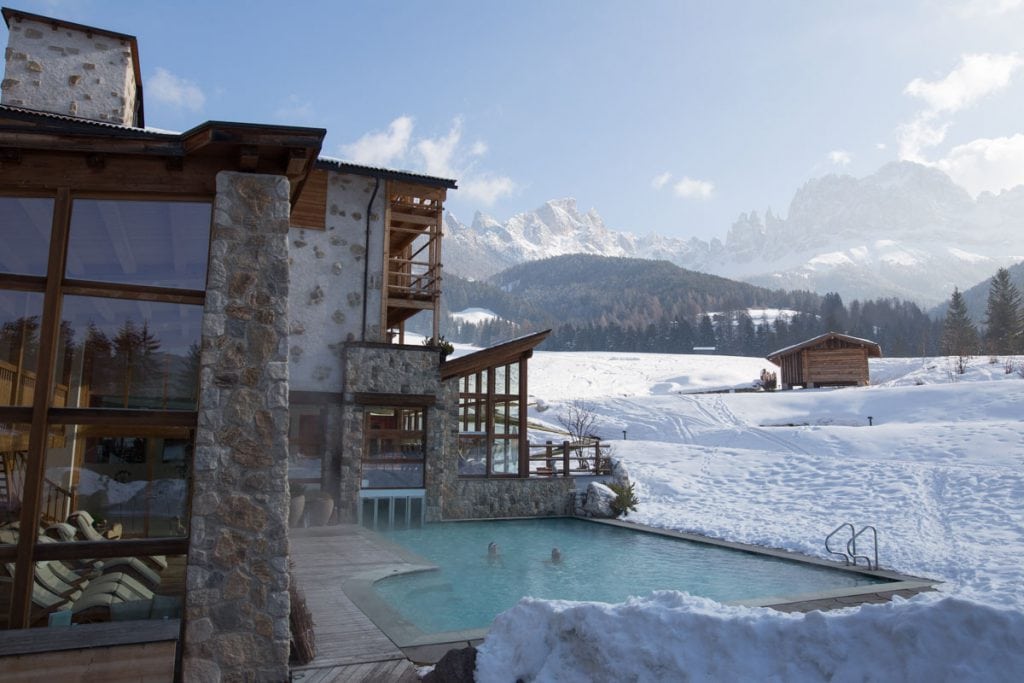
[64,68]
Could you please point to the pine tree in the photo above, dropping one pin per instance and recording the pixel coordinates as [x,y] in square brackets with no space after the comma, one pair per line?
[959,336]
[1005,333]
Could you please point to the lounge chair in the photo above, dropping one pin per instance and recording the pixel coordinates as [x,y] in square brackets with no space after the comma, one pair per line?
[83,522]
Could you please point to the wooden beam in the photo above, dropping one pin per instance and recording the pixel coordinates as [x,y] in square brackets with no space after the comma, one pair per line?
[135,292]
[21,591]
[248,157]
[22,283]
[123,417]
[397,400]
[298,159]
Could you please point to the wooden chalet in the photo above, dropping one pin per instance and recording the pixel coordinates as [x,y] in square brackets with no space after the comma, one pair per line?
[828,360]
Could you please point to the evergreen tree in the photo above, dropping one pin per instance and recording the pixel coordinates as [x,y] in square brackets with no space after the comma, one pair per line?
[959,336]
[706,332]
[1005,333]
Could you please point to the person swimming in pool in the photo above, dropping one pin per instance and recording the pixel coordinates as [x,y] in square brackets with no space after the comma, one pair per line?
[493,553]
[556,556]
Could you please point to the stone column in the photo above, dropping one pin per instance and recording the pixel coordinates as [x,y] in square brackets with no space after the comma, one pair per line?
[237,603]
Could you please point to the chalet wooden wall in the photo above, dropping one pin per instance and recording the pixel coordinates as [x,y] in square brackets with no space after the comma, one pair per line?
[836,366]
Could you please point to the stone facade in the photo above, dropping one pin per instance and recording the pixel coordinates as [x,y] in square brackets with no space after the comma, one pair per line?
[494,498]
[327,269]
[237,601]
[387,369]
[59,69]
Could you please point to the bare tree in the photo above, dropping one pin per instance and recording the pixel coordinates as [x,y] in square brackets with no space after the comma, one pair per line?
[579,419]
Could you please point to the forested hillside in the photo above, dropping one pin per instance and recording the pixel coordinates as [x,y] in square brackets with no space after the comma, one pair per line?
[595,303]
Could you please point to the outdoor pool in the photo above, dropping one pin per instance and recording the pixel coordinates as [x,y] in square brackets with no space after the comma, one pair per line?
[599,563]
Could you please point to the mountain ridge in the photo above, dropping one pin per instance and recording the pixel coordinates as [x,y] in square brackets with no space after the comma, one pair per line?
[906,230]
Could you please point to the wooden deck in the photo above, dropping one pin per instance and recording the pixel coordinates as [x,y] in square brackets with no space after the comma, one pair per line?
[349,646]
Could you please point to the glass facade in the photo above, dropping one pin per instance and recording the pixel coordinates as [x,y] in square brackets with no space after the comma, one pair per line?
[394,448]
[122,316]
[490,423]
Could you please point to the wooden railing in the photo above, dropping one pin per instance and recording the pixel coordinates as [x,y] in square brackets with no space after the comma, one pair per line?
[412,279]
[57,500]
[567,459]
[18,387]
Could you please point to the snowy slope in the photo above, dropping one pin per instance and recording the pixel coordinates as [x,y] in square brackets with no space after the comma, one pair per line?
[940,474]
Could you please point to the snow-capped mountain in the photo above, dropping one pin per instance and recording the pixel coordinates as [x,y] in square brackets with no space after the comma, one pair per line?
[906,230]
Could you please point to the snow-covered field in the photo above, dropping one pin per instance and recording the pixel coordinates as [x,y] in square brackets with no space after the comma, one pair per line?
[940,473]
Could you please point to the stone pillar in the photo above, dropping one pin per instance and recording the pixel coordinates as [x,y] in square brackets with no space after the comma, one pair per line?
[237,578]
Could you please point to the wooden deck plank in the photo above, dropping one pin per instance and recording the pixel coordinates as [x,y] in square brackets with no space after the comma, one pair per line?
[345,637]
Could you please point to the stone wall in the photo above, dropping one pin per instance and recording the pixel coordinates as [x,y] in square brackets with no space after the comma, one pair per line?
[237,577]
[67,71]
[493,498]
[327,267]
[386,369]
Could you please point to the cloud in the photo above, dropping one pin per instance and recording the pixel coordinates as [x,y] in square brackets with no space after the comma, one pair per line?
[976,76]
[382,148]
[659,181]
[165,87]
[445,156]
[839,157]
[880,145]
[437,153]
[986,164]
[487,189]
[693,189]
[973,78]
[989,8]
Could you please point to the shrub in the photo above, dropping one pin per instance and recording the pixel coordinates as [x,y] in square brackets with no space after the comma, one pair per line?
[625,499]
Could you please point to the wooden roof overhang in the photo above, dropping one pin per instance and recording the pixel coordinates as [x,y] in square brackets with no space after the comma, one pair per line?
[41,151]
[874,350]
[502,354]
[17,15]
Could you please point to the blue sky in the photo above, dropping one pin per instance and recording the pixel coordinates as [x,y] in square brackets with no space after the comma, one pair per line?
[667,117]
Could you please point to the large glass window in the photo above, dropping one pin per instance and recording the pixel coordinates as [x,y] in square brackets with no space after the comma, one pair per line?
[131,303]
[118,482]
[394,448]
[490,422]
[116,353]
[25,224]
[20,313]
[161,244]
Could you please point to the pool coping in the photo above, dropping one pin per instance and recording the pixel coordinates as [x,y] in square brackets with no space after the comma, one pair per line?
[408,637]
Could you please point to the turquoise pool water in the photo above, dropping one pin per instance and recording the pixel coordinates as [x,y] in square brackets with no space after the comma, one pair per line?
[599,562]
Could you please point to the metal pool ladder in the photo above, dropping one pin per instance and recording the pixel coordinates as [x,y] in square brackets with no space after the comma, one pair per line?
[850,555]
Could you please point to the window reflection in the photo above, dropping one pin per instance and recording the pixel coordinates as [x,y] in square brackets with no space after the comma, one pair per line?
[129,354]
[394,448]
[13,459]
[25,225]
[145,243]
[20,313]
[112,483]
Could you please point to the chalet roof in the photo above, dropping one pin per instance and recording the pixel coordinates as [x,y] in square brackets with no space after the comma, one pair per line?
[505,352]
[18,15]
[874,350]
[333,164]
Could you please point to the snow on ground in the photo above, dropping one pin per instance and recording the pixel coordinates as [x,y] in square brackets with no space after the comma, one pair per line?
[940,473]
[475,316]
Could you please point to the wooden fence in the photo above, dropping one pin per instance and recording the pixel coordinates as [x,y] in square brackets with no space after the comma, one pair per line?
[588,457]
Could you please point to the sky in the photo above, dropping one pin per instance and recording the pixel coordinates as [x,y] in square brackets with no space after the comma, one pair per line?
[667,117]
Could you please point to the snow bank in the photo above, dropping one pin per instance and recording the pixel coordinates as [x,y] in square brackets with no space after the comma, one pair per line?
[672,636]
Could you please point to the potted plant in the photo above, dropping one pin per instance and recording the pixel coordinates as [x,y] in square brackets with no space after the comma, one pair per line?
[319,507]
[442,344]
[297,504]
